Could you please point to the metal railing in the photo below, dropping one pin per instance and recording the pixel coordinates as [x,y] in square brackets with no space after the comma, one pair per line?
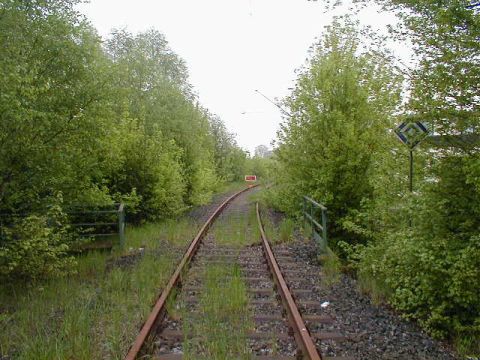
[86,221]
[103,222]
[317,222]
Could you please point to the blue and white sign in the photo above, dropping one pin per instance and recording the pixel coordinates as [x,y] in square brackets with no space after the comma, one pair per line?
[411,133]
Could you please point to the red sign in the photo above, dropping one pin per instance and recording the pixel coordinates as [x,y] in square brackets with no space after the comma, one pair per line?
[250,177]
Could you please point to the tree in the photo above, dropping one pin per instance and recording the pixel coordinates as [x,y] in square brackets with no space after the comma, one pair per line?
[341,109]
[52,131]
[229,158]
[86,125]
[427,269]
[51,88]
[262,151]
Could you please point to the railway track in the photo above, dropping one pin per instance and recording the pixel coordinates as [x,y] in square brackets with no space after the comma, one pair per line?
[267,310]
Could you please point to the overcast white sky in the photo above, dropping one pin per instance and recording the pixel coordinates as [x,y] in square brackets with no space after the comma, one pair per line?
[232,47]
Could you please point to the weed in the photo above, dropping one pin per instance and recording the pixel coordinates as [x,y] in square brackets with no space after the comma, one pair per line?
[331,267]
[173,307]
[221,330]
[369,285]
[239,229]
[93,314]
[285,230]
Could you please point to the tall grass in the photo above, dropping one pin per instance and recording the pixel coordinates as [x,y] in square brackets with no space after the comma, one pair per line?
[283,232]
[96,313]
[331,267]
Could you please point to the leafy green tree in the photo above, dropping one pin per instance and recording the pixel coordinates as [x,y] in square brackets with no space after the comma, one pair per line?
[229,158]
[92,125]
[262,151]
[341,109]
[51,122]
[52,131]
[427,270]
[152,81]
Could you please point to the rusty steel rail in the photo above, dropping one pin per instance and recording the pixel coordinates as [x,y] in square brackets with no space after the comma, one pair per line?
[302,336]
[158,310]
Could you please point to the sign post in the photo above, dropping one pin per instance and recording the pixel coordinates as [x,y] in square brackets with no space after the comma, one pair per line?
[411,134]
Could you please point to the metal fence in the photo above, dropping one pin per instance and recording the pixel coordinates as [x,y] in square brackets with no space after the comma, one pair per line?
[98,222]
[315,214]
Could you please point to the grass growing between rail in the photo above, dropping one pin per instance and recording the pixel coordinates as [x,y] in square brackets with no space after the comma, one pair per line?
[96,313]
[238,228]
[219,331]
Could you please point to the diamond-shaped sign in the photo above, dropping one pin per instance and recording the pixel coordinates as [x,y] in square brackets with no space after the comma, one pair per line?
[411,133]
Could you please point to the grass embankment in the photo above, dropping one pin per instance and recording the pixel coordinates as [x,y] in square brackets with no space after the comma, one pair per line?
[96,313]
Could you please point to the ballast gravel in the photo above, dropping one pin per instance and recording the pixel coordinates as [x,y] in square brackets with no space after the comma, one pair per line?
[372,331]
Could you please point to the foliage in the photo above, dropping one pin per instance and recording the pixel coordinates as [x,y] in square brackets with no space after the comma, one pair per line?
[51,123]
[98,122]
[149,167]
[419,251]
[341,106]
[96,313]
[262,164]
[428,271]
[444,85]
[444,298]
[36,247]
[229,159]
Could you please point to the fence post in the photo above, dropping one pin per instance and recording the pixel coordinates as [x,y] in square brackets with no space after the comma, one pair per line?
[314,221]
[304,217]
[121,225]
[311,220]
[324,226]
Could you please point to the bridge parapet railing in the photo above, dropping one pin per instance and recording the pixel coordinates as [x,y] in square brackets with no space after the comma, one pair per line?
[100,222]
[86,221]
[315,215]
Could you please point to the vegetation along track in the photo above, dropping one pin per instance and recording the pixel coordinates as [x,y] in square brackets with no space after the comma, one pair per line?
[231,298]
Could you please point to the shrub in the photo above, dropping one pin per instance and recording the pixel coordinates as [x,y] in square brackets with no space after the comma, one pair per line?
[36,247]
[430,280]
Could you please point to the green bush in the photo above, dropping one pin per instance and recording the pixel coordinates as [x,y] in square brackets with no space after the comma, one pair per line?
[430,280]
[36,247]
